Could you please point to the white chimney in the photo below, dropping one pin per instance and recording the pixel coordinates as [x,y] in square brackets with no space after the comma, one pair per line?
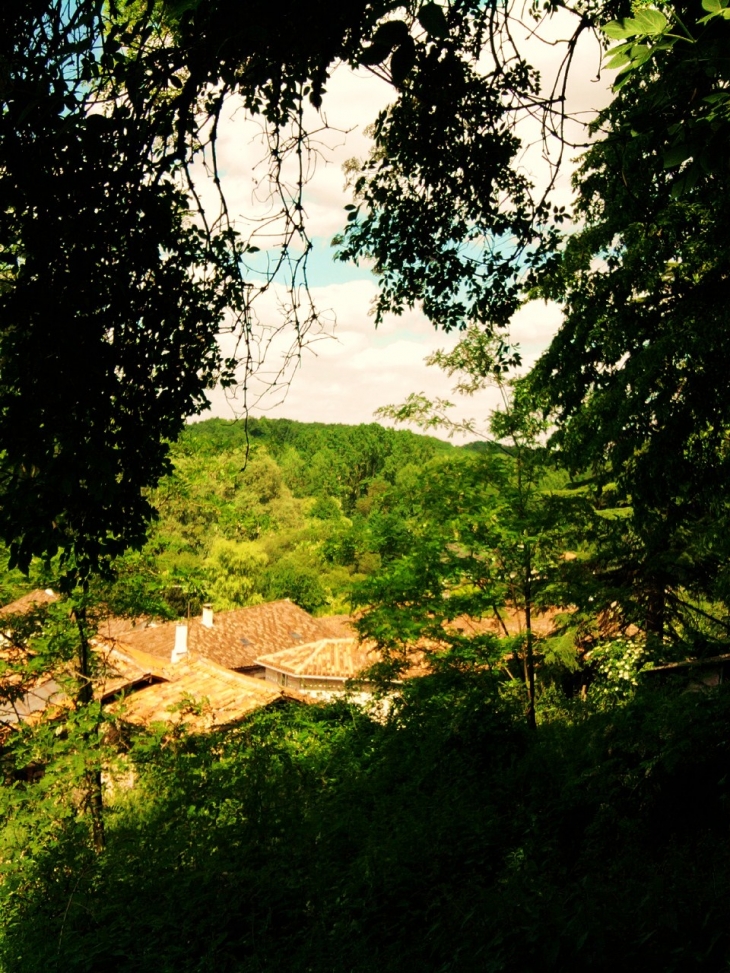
[181,643]
[207,619]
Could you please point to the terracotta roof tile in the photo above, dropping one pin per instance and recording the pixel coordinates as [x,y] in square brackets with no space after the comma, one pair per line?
[31,600]
[201,694]
[328,658]
[115,627]
[35,700]
[236,638]
[338,626]
[121,668]
[511,619]
[337,659]
[195,690]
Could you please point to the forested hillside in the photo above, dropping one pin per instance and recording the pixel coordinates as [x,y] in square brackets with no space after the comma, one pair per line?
[540,798]
[534,773]
[271,509]
[275,510]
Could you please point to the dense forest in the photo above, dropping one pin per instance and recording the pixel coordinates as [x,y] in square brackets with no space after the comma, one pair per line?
[447,836]
[259,511]
[538,775]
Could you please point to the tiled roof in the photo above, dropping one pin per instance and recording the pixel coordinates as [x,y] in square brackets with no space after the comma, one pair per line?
[23,699]
[117,671]
[115,627]
[121,668]
[511,619]
[196,691]
[339,626]
[35,700]
[31,600]
[236,638]
[326,658]
[201,694]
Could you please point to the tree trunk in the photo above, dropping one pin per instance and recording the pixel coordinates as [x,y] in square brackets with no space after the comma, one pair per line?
[94,786]
[500,620]
[529,657]
[656,604]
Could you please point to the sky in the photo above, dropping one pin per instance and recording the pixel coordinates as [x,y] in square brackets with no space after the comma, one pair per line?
[349,368]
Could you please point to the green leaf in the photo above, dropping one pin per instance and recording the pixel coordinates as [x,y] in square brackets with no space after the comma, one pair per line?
[617,30]
[717,97]
[686,181]
[652,22]
[640,54]
[433,19]
[618,48]
[615,513]
[390,34]
[402,61]
[618,60]
[716,8]
[374,55]
[676,155]
[631,23]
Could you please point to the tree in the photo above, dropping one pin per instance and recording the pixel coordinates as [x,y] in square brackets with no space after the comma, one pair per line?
[112,297]
[635,380]
[636,376]
[235,573]
[116,282]
[674,55]
[488,531]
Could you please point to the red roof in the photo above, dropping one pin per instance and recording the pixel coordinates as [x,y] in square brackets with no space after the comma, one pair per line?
[32,600]
[236,638]
[328,658]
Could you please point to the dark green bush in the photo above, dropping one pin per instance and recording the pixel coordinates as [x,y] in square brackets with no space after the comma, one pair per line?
[448,838]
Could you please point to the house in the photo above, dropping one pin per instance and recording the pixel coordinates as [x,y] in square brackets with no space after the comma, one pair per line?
[192,691]
[509,622]
[29,704]
[172,686]
[232,639]
[140,689]
[322,668]
[34,599]
[22,699]
[318,667]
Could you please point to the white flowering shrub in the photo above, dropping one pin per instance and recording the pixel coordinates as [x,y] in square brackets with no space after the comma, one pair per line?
[617,665]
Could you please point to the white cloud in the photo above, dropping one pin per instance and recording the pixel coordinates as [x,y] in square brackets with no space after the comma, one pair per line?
[352,102]
[345,378]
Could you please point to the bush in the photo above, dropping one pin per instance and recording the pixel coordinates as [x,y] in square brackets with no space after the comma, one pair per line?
[447,838]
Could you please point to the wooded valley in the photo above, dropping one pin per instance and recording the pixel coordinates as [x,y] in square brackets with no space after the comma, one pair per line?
[452,834]
[199,772]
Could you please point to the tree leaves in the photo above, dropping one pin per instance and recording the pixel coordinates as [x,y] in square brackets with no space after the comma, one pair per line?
[715,8]
[644,22]
[635,374]
[391,34]
[433,19]
[375,54]
[401,64]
